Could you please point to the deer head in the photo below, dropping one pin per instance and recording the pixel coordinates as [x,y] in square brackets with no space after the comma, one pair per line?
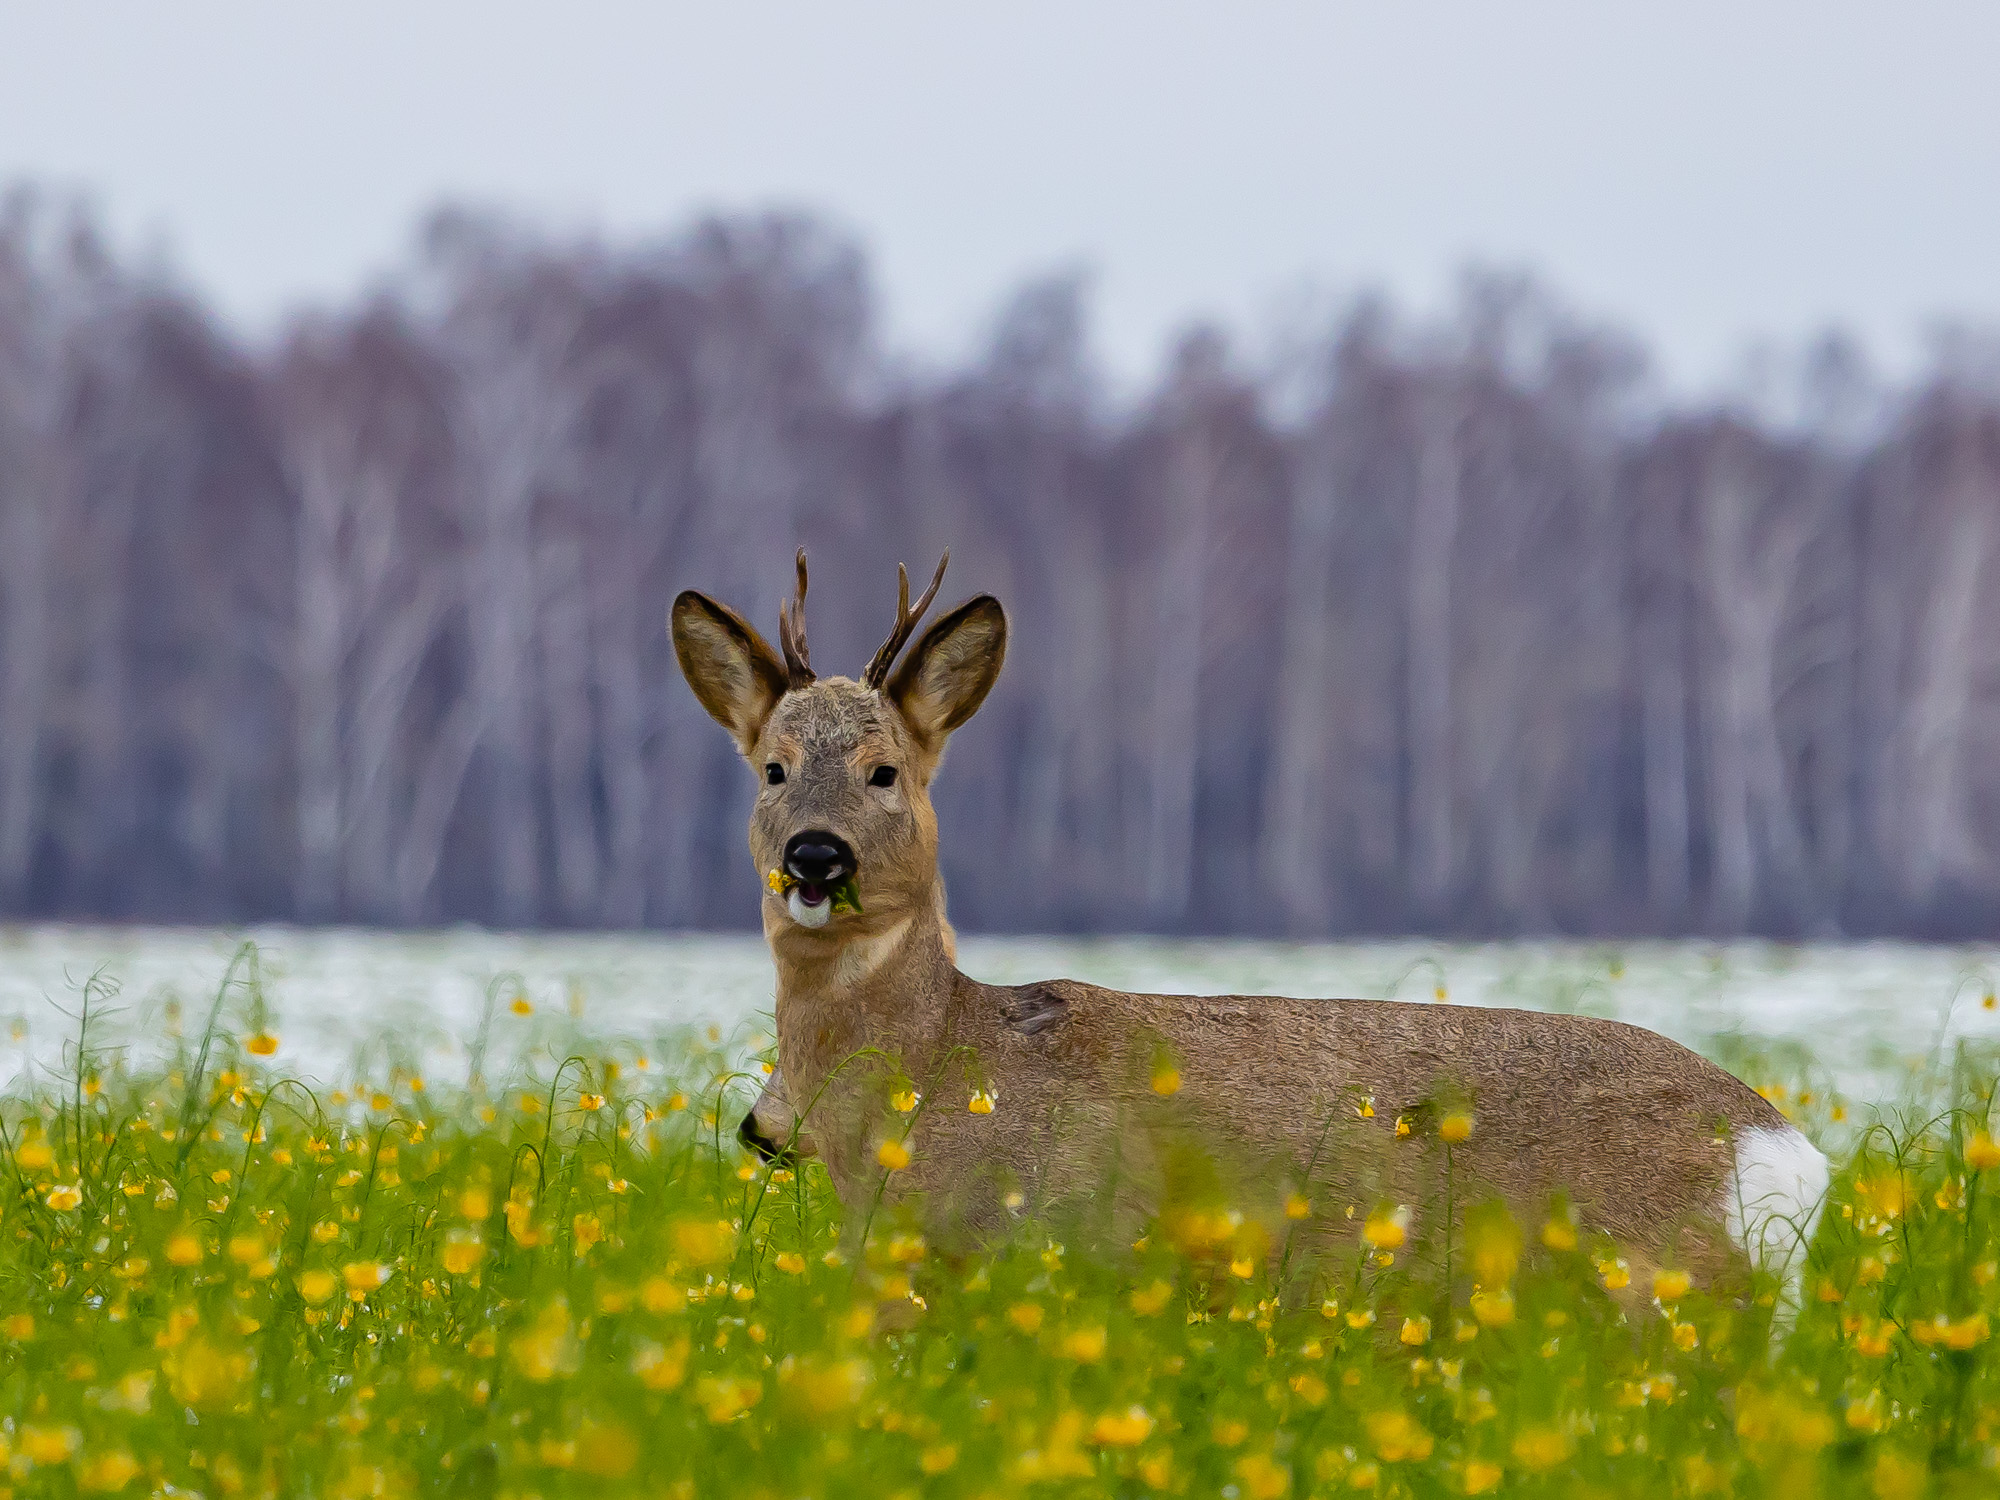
[843,828]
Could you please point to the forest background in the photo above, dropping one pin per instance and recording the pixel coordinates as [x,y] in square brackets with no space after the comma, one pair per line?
[1451,624]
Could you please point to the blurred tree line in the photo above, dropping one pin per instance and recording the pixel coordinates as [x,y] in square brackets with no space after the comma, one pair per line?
[1441,624]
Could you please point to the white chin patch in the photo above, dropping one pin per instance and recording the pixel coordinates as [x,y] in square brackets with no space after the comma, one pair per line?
[809,916]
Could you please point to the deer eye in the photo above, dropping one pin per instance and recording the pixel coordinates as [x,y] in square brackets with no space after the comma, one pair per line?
[774,774]
[882,776]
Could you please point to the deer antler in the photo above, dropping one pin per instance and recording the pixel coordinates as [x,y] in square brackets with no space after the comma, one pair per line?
[792,634]
[906,622]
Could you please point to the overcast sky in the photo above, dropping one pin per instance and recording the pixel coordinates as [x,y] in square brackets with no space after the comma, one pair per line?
[1710,174]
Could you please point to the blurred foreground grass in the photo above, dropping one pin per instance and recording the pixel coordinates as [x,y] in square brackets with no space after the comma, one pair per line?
[560,1276]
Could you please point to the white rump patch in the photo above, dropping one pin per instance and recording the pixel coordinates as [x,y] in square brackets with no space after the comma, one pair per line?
[1774,1200]
[808,916]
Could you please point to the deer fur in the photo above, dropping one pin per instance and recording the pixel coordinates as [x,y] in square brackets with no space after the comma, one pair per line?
[1650,1145]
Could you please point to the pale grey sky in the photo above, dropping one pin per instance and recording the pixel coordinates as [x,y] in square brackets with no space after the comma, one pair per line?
[1707,173]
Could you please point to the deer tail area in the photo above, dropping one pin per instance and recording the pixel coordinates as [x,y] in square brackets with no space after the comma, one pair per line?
[1776,1194]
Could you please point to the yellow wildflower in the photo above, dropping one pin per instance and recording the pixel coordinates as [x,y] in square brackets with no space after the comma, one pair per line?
[1395,1437]
[49,1445]
[1541,1448]
[462,1251]
[1122,1429]
[1387,1228]
[361,1277]
[1026,1316]
[1456,1127]
[106,1473]
[1416,1330]
[263,1044]
[1085,1345]
[893,1154]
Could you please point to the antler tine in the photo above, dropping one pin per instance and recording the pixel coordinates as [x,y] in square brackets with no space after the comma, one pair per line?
[906,622]
[792,634]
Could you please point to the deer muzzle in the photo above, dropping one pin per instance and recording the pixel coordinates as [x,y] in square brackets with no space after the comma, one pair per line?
[819,861]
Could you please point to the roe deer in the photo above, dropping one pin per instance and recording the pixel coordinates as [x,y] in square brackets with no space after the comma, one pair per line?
[1033,1089]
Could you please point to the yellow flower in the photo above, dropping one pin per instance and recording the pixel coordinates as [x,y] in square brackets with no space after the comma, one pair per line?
[1982,1152]
[475,1203]
[263,1044]
[1122,1429]
[65,1195]
[105,1473]
[904,1100]
[1395,1437]
[1026,1316]
[521,1007]
[463,1250]
[1149,1300]
[705,1242]
[893,1154]
[1263,1478]
[1455,1127]
[1482,1476]
[49,1445]
[1874,1342]
[1964,1333]
[1084,1345]
[1166,1080]
[1559,1234]
[936,1459]
[791,1262]
[1366,1108]
[590,1103]
[361,1277]
[983,1100]
[1416,1331]
[1686,1336]
[1671,1286]
[35,1156]
[1297,1206]
[1387,1228]
[20,1327]
[1614,1273]
[1540,1448]
[184,1249]
[1402,1127]
[660,1369]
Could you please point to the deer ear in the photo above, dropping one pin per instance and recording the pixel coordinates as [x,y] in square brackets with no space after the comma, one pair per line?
[735,674]
[944,680]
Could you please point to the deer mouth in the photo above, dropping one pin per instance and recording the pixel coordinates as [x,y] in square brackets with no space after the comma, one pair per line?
[816,880]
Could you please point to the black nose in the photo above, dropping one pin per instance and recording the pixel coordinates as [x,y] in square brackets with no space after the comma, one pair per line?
[818,857]
[751,1134]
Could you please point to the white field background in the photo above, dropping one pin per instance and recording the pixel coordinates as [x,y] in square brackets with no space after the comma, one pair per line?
[1865,1019]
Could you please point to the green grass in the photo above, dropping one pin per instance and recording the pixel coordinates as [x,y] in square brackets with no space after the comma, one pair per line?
[564,1279]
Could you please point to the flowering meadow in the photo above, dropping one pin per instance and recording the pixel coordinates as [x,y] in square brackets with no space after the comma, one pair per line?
[561,1275]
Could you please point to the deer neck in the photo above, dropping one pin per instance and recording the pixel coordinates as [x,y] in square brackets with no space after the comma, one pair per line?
[883,983]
